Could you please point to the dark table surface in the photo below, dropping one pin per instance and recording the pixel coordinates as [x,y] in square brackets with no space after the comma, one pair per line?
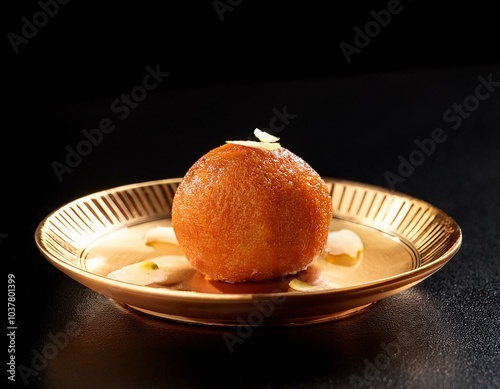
[442,333]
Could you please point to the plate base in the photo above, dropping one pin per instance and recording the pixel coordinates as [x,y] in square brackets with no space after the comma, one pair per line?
[302,321]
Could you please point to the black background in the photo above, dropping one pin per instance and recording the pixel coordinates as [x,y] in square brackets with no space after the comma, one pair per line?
[353,120]
[88,54]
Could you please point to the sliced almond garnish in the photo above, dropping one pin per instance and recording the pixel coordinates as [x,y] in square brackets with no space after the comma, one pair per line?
[140,273]
[165,270]
[264,136]
[266,141]
[302,286]
[344,245]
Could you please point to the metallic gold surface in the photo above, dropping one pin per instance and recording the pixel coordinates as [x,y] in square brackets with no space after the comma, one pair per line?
[405,240]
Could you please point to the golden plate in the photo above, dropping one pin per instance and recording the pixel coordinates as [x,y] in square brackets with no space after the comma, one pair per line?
[405,240]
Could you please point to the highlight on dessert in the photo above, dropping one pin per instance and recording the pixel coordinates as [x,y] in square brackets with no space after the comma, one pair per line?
[247,211]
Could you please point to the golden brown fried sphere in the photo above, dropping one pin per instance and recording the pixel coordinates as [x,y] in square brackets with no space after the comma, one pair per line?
[246,214]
